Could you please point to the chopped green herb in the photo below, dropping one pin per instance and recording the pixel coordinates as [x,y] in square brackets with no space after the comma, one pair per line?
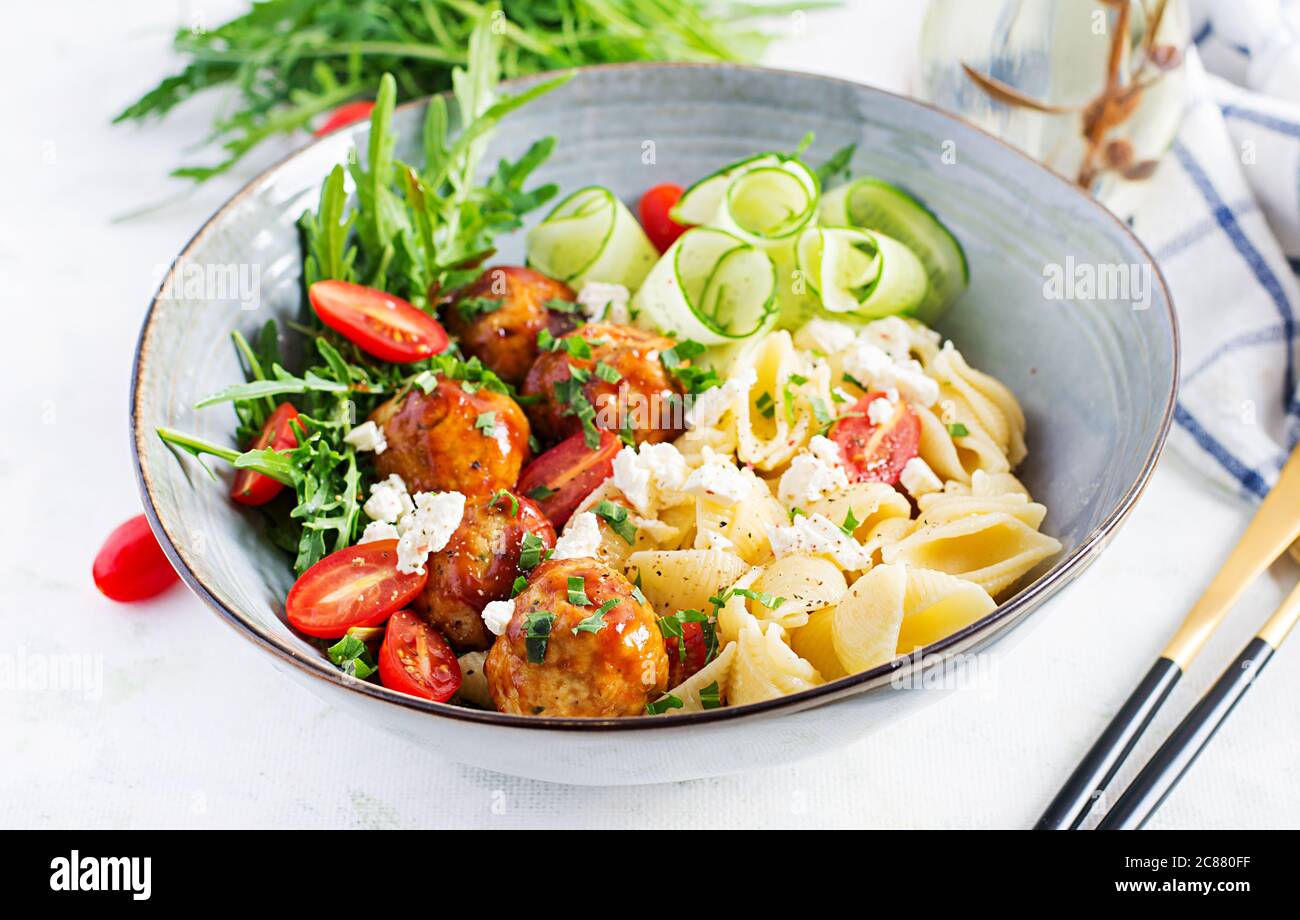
[663,704]
[531,551]
[537,634]
[618,518]
[546,341]
[471,308]
[851,523]
[765,405]
[607,373]
[521,582]
[821,412]
[578,591]
[770,601]
[487,423]
[849,378]
[560,306]
[711,696]
[352,657]
[540,493]
[506,494]
[596,622]
[694,380]
[958,430]
[795,512]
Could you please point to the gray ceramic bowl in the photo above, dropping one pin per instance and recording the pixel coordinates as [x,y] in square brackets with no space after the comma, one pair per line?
[1096,377]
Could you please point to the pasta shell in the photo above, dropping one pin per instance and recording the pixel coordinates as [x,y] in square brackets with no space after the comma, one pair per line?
[870,502]
[993,550]
[806,583]
[684,579]
[815,643]
[868,618]
[936,605]
[716,671]
[766,667]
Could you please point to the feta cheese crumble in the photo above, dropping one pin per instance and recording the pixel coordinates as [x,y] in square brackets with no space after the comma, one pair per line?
[812,475]
[581,538]
[428,528]
[827,335]
[652,477]
[918,479]
[880,410]
[870,363]
[601,301]
[497,616]
[817,535]
[718,480]
[708,408]
[367,436]
[378,530]
[388,501]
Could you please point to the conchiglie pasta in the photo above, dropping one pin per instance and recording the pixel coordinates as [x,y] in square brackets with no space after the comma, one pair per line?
[744,524]
[684,579]
[734,615]
[956,457]
[936,605]
[717,671]
[940,507]
[993,550]
[864,630]
[804,583]
[766,667]
[778,418]
[815,643]
[870,502]
[995,408]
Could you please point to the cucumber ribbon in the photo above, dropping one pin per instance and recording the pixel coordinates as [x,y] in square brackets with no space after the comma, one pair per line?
[591,236]
[858,272]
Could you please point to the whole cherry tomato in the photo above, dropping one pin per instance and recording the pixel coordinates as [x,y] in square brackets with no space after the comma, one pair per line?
[131,566]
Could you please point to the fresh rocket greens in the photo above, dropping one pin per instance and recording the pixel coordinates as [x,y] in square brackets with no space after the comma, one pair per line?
[289,62]
[409,232]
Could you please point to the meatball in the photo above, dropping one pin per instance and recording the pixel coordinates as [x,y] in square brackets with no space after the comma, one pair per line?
[605,670]
[643,395]
[479,564]
[497,318]
[452,439]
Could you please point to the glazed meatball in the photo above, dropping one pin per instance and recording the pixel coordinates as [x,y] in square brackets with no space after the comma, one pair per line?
[437,443]
[479,564]
[612,671]
[497,318]
[644,394]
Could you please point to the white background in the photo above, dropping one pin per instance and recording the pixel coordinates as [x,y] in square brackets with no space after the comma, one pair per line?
[194,729]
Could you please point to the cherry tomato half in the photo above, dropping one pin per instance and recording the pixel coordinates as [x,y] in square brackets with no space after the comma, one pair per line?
[346,114]
[357,586]
[130,566]
[414,658]
[379,323]
[251,488]
[655,205]
[562,477]
[697,651]
[877,453]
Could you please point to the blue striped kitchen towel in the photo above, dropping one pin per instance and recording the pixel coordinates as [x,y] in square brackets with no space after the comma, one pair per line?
[1223,221]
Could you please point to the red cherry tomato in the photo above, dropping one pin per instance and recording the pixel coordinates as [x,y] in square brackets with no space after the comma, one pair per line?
[681,667]
[379,323]
[357,586]
[251,488]
[414,658]
[346,114]
[877,453]
[562,477]
[130,566]
[655,205]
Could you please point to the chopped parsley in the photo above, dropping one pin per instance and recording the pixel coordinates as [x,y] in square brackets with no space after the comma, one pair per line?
[487,423]
[795,512]
[958,430]
[521,582]
[569,393]
[693,379]
[578,591]
[674,626]
[560,306]
[507,494]
[764,404]
[617,517]
[352,657]
[797,380]
[770,601]
[851,523]
[596,622]
[472,307]
[540,493]
[537,634]
[607,373]
[711,696]
[531,551]
[663,704]
[849,378]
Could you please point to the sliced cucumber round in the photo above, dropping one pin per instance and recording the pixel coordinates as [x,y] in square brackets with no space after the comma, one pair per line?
[710,286]
[591,236]
[859,272]
[874,204]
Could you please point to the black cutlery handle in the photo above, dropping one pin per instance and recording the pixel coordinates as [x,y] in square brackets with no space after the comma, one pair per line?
[1094,773]
[1159,777]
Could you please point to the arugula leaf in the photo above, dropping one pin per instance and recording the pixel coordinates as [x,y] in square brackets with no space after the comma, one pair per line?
[836,166]
[711,696]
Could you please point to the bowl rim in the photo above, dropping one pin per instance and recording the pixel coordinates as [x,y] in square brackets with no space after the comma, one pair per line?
[1005,616]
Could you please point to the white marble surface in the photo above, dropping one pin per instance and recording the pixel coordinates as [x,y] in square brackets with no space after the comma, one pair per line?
[194,729]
